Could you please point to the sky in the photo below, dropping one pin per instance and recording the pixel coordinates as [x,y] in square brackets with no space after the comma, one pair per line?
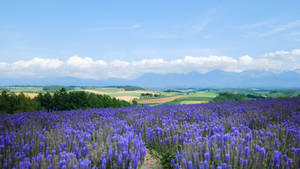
[125,39]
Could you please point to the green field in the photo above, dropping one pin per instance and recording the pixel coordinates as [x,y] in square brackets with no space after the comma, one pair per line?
[107,90]
[192,102]
[23,89]
[168,94]
[124,94]
[203,94]
[195,98]
[191,96]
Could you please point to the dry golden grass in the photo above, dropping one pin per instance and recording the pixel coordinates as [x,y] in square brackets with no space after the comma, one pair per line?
[127,98]
[31,95]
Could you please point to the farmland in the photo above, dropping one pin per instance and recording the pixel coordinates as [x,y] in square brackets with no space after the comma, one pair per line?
[159,96]
[239,134]
[119,93]
[194,98]
[159,100]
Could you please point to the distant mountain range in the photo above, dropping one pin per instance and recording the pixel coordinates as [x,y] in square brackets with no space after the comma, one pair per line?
[213,79]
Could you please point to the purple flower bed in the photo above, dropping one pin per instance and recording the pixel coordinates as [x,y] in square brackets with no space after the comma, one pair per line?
[245,134]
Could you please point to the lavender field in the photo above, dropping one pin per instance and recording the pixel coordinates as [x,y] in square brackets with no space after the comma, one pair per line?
[241,134]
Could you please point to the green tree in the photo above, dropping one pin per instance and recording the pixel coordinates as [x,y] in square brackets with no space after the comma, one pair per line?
[4,102]
[134,102]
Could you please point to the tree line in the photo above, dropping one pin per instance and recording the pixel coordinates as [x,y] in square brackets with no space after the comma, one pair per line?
[149,95]
[127,87]
[223,97]
[60,100]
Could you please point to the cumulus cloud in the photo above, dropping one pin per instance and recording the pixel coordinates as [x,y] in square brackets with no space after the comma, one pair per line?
[41,63]
[86,67]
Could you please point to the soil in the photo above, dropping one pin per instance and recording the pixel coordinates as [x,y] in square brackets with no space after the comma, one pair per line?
[150,162]
[127,98]
[159,100]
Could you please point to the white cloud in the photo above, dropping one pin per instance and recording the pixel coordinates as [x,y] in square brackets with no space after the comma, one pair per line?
[86,67]
[135,26]
[245,60]
[267,28]
[114,28]
[281,28]
[200,26]
[254,25]
[162,36]
[38,62]
[296,52]
[296,33]
[84,63]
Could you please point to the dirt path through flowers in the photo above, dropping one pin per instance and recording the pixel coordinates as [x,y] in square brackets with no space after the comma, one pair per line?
[151,162]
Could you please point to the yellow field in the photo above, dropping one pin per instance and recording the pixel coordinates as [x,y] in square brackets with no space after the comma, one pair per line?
[31,95]
[192,102]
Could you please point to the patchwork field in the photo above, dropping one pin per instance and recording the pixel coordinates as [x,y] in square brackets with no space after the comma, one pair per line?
[122,94]
[157,97]
[118,93]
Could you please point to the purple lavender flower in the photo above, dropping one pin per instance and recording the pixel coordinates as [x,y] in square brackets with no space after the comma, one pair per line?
[224,166]
[257,148]
[5,165]
[290,162]
[262,153]
[183,161]
[173,162]
[207,156]
[85,163]
[227,157]
[247,151]
[245,162]
[206,165]
[190,165]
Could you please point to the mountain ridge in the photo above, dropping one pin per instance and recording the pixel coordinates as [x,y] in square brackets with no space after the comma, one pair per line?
[213,79]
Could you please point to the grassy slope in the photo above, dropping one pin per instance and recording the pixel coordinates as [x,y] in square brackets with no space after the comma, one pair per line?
[108,90]
[193,98]
[124,94]
[168,94]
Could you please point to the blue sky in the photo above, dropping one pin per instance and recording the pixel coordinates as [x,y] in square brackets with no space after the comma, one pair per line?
[158,32]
